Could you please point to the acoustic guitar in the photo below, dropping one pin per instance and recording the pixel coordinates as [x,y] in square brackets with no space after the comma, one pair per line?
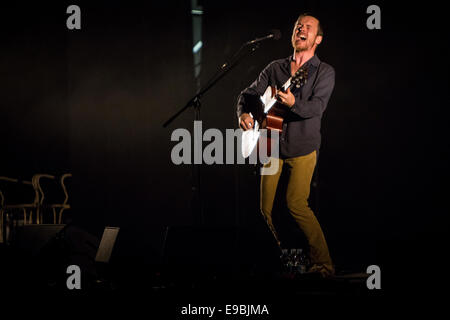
[273,115]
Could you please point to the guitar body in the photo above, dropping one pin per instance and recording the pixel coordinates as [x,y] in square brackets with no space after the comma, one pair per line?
[274,115]
[272,122]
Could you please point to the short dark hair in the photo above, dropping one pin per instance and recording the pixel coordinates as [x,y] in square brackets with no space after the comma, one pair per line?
[319,26]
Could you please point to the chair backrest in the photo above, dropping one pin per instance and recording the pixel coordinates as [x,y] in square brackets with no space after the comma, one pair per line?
[64,186]
[39,180]
[52,190]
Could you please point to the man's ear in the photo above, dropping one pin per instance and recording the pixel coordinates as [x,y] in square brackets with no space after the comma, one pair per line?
[318,40]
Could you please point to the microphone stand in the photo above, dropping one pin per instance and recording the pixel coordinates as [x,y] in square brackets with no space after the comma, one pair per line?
[195,102]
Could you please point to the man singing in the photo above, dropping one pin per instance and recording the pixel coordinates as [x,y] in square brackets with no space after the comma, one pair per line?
[300,136]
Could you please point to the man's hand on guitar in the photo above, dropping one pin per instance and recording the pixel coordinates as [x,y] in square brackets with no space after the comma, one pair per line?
[286,98]
[246,121]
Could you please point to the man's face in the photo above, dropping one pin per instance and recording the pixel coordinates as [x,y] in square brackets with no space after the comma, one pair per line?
[304,36]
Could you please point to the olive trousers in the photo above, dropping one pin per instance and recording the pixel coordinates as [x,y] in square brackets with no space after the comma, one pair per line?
[300,172]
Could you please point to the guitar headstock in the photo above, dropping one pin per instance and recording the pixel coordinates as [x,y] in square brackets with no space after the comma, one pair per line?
[299,78]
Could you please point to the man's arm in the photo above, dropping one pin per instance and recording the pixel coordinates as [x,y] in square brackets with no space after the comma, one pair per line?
[249,97]
[315,105]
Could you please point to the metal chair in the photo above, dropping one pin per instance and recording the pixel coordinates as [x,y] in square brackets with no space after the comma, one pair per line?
[16,195]
[50,195]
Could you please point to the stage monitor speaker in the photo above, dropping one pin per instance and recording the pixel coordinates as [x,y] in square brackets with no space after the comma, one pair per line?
[31,238]
[221,247]
[45,251]
[199,246]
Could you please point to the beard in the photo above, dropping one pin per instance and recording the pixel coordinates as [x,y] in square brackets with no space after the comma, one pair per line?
[303,45]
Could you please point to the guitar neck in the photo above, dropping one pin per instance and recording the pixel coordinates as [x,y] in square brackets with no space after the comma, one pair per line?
[287,84]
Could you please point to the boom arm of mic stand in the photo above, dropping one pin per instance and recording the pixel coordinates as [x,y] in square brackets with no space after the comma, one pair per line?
[224,69]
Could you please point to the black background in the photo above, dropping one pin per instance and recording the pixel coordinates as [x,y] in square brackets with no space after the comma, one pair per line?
[92,102]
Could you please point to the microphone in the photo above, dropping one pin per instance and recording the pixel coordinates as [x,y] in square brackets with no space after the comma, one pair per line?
[274,34]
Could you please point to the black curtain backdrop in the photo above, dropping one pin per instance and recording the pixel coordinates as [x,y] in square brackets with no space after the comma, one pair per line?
[92,102]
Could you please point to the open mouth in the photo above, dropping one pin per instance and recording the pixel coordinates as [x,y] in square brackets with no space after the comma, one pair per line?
[302,37]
